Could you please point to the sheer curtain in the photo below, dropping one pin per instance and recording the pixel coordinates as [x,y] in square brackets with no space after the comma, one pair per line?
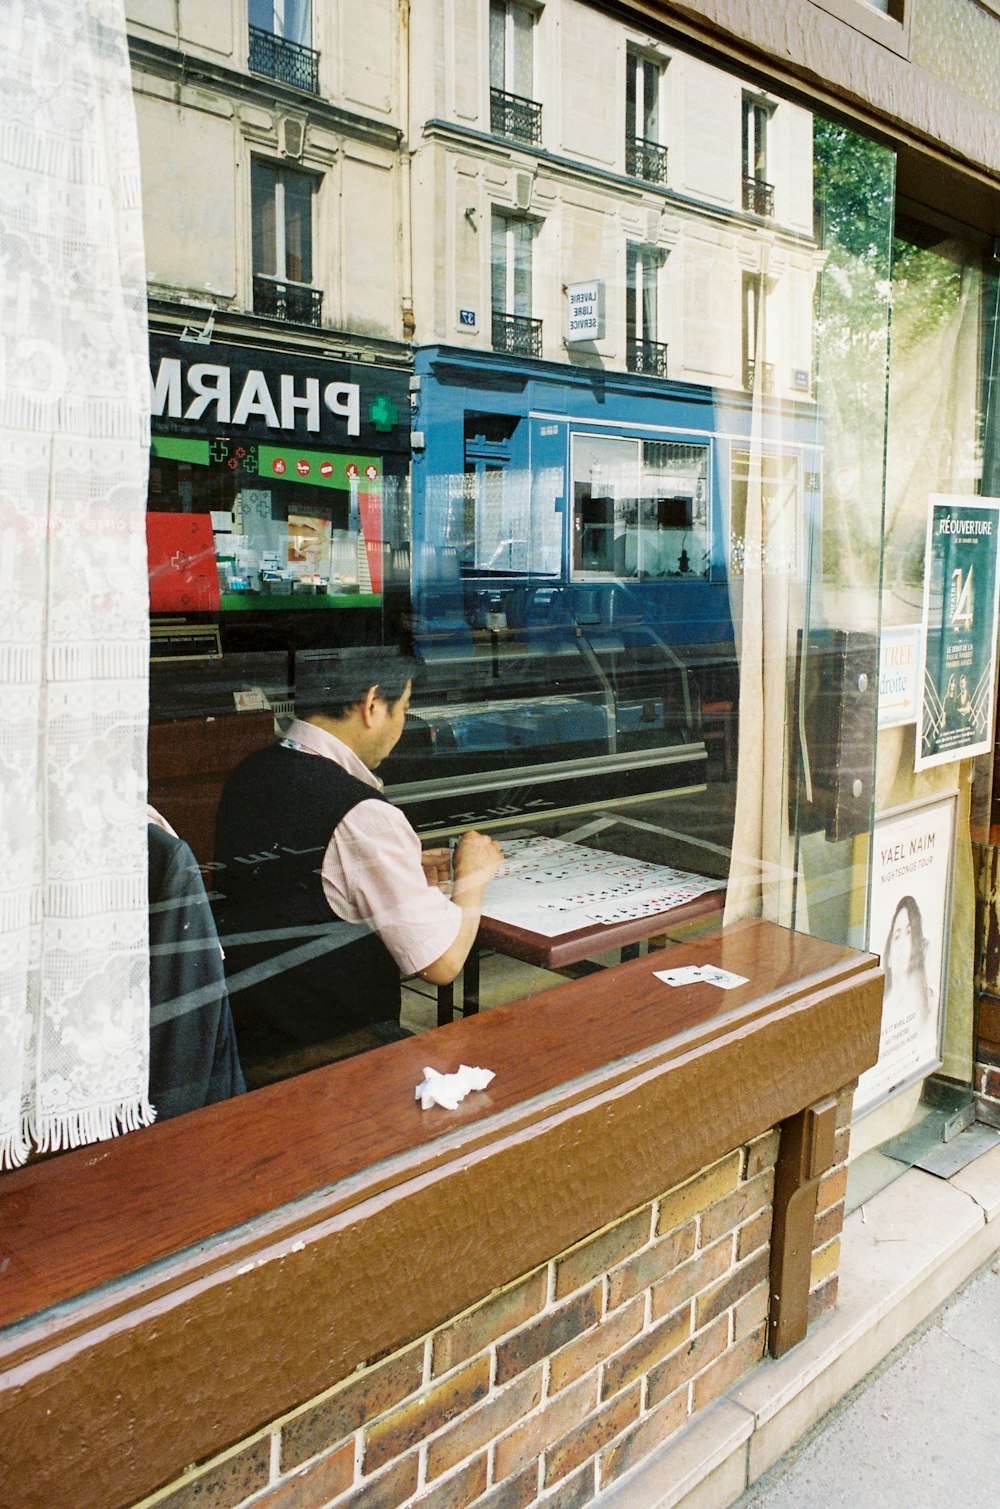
[73,599]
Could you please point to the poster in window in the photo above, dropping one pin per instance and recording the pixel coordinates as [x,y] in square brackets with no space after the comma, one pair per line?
[959,629]
[908,928]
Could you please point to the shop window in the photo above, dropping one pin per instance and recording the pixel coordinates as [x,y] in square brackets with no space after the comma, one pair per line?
[645,352]
[645,155]
[771,480]
[513,110]
[280,37]
[282,245]
[640,509]
[758,192]
[514,329]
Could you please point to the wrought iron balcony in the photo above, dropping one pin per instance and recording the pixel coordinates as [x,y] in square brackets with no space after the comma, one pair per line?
[645,159]
[513,116]
[758,196]
[289,62]
[282,300]
[766,376]
[648,357]
[518,334]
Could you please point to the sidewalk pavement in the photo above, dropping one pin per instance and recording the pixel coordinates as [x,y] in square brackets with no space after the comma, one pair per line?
[921,1430]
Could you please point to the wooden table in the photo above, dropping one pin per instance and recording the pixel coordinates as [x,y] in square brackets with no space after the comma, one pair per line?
[569,948]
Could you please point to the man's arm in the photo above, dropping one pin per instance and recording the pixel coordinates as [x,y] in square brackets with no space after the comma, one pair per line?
[477,859]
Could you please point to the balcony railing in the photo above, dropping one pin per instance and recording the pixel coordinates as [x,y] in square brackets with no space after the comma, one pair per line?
[758,196]
[282,300]
[513,116]
[766,375]
[517,334]
[645,159]
[648,357]
[289,62]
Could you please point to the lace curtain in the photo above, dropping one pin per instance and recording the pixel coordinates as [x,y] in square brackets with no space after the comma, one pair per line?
[73,607]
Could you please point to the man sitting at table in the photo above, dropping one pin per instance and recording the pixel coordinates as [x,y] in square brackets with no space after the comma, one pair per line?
[326,899]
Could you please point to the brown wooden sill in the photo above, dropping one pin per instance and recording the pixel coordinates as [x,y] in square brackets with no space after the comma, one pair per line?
[337,1222]
[98,1213]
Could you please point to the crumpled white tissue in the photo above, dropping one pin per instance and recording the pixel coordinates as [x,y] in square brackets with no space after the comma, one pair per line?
[446,1090]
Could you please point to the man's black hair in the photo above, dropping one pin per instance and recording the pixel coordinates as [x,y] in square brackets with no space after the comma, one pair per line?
[331,682]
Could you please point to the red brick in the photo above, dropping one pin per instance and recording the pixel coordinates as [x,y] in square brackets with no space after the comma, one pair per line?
[573,1492]
[645,1352]
[644,1437]
[547,1334]
[739,1359]
[390,1489]
[751,1311]
[832,1189]
[592,1434]
[420,1417]
[361,1398]
[684,1202]
[691,1277]
[825,1263]
[824,1298]
[227,1483]
[473,1333]
[559,1415]
[652,1263]
[762,1153]
[744,1202]
[991,1083]
[829,1224]
[742,1279]
[583,1264]
[317,1484]
[680,1368]
[597,1345]
[482,1425]
[461,1489]
[516,1493]
[756,1233]
[842,1145]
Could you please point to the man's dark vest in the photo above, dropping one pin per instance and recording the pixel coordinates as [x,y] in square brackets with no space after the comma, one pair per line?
[276,816]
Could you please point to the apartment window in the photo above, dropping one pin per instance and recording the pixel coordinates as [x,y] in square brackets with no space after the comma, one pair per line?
[643,350]
[645,157]
[758,192]
[513,110]
[280,38]
[514,329]
[282,245]
[754,328]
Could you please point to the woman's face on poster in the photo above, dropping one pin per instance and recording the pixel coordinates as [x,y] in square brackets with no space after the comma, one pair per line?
[901,944]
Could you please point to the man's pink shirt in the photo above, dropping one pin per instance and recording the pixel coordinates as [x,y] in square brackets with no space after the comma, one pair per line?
[371,869]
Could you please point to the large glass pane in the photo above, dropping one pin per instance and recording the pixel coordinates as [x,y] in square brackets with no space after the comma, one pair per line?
[641,583]
[298,227]
[265,235]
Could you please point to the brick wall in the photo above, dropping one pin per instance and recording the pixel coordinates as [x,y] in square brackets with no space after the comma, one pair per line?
[552,1388]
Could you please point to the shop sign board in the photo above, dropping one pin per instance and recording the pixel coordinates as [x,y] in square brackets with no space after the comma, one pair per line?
[908,927]
[585,318]
[959,629]
[899,675]
[281,397]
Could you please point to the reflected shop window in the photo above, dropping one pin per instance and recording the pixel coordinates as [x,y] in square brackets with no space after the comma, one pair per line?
[578,456]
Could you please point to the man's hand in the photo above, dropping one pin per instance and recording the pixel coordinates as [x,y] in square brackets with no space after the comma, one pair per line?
[437,866]
[477,858]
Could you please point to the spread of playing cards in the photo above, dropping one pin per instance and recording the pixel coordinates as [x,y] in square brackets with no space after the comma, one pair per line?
[549,886]
[700,974]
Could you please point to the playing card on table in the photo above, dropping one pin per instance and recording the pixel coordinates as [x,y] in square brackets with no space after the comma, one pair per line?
[685,974]
[725,978]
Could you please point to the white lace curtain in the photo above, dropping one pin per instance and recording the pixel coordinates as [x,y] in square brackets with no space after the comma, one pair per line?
[73,607]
